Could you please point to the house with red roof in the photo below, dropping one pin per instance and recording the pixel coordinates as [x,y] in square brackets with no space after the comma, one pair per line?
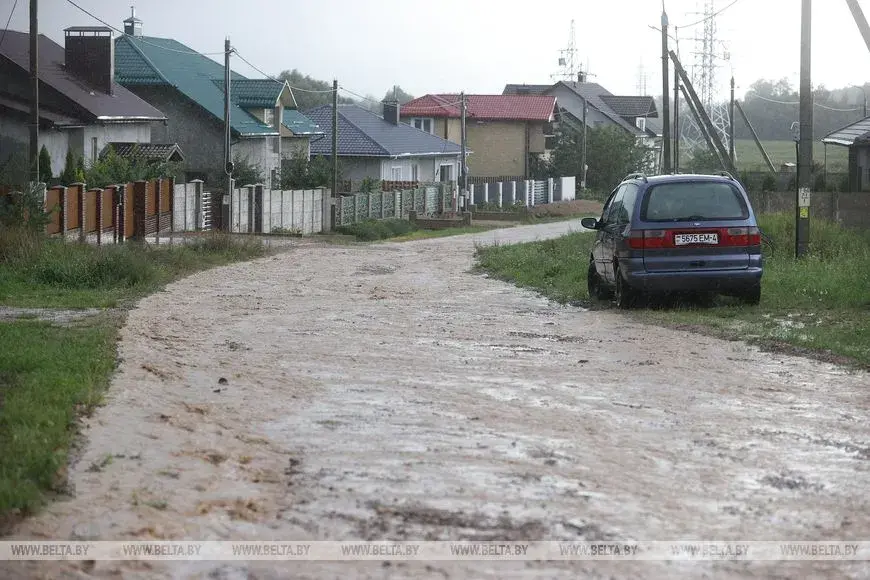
[505,132]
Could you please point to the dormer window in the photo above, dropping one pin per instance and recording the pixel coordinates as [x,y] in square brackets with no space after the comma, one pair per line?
[641,123]
[268,116]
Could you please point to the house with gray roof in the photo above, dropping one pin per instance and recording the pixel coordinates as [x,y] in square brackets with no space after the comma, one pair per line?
[382,148]
[81,108]
[189,88]
[856,137]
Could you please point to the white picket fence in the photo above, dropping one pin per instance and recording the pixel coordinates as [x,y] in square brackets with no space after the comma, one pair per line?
[255,209]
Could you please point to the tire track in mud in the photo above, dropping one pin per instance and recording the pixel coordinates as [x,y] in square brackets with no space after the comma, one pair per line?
[384,392]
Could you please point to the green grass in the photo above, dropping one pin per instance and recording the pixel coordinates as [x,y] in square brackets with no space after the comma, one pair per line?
[749,158]
[48,375]
[51,374]
[819,304]
[49,273]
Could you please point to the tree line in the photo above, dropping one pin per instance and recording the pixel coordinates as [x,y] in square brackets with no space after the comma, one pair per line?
[312,93]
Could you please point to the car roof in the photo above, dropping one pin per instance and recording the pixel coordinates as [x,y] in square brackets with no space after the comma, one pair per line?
[683,178]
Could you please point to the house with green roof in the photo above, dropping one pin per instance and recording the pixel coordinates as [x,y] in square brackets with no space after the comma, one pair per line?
[188,87]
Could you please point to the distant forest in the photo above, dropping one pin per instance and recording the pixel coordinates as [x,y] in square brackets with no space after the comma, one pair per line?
[311,93]
[772,108]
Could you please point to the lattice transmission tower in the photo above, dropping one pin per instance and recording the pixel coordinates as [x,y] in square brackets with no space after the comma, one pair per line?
[709,53]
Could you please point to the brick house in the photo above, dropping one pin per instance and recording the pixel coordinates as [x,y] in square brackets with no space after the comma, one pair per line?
[504,131]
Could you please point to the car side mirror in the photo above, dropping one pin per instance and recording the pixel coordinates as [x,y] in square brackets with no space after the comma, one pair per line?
[589,223]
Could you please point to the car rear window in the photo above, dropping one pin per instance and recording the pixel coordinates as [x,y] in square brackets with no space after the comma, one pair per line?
[693,201]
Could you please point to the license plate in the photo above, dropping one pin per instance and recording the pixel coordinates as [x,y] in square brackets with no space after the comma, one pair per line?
[689,239]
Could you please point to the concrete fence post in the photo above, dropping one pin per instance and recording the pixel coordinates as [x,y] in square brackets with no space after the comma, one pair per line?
[513,192]
[369,206]
[197,203]
[550,190]
[258,208]
[471,199]
[382,204]
[500,194]
[486,193]
[397,204]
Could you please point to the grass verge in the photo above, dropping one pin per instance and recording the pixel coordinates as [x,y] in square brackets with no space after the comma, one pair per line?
[35,272]
[818,306]
[49,374]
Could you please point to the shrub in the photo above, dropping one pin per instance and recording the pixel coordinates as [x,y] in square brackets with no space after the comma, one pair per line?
[372,230]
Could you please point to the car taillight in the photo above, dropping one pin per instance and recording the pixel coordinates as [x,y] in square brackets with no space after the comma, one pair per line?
[647,239]
[743,237]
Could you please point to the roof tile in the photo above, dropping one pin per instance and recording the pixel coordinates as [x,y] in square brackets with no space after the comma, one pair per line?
[484,107]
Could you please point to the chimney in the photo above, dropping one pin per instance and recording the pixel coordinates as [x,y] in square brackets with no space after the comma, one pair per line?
[391,112]
[89,53]
[581,77]
[133,26]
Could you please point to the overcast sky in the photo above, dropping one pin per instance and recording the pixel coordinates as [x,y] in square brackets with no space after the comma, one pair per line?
[480,45]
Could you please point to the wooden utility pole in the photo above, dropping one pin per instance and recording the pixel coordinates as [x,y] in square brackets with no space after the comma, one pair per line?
[666,97]
[334,152]
[34,79]
[464,140]
[805,157]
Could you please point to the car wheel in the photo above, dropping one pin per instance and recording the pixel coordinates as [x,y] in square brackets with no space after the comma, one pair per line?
[626,296]
[596,288]
[751,296]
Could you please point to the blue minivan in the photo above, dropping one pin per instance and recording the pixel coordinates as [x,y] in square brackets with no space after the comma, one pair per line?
[675,233]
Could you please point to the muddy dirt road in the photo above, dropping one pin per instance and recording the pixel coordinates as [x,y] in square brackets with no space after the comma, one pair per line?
[384,392]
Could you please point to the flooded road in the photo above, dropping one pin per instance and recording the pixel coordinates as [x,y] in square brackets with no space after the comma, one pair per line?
[385,393]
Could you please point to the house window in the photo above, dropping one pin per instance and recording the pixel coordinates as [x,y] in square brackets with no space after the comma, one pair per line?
[268,116]
[396,174]
[641,123]
[94,151]
[446,173]
[422,124]
[415,172]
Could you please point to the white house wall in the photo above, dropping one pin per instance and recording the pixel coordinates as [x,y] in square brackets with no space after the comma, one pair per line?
[56,142]
[429,168]
[113,133]
[259,152]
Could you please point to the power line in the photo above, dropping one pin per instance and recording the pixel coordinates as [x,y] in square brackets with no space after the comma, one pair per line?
[138,39]
[821,106]
[271,78]
[710,17]
[8,20]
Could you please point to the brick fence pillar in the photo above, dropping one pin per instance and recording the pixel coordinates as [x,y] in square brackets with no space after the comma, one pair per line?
[140,204]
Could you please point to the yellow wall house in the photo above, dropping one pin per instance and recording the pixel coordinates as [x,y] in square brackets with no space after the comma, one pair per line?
[503,130]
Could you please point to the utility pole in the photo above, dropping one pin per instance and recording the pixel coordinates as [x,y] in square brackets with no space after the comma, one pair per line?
[464,140]
[334,151]
[228,136]
[731,145]
[805,158]
[666,97]
[583,150]
[34,105]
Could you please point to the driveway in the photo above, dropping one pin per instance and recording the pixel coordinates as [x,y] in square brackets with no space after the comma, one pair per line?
[384,392]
